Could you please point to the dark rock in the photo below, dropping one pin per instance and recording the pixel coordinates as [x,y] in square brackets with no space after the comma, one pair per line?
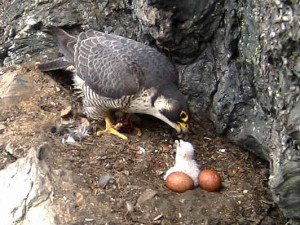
[22,22]
[200,89]
[254,89]
[180,28]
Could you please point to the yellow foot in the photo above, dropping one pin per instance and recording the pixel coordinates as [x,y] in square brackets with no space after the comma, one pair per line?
[110,129]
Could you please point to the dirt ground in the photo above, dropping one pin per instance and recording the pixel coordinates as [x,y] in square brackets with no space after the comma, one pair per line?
[136,192]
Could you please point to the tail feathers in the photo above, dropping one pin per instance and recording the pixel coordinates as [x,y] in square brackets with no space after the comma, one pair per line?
[65,42]
[60,63]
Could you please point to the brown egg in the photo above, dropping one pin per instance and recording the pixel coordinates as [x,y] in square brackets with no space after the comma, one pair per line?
[210,180]
[179,182]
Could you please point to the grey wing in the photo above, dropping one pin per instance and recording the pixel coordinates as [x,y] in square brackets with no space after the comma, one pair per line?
[56,64]
[156,67]
[65,42]
[106,70]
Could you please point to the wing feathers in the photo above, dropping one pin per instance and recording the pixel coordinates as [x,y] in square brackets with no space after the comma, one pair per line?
[103,68]
[60,63]
[114,66]
[65,42]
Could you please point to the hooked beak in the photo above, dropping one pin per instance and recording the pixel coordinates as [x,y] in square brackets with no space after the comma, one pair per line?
[182,128]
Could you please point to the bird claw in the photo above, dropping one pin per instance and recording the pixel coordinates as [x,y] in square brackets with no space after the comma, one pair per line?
[118,126]
[115,129]
[112,131]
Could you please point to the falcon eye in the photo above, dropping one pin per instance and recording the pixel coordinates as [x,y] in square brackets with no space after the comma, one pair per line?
[184,116]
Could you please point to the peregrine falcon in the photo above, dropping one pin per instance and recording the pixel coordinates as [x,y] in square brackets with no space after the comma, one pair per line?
[119,74]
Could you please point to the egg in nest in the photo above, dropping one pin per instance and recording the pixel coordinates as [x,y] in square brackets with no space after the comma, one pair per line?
[210,180]
[179,182]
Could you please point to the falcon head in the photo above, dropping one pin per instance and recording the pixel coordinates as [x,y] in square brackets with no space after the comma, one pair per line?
[172,109]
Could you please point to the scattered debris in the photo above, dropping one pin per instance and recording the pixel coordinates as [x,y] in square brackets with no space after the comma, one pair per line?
[75,135]
[158,217]
[30,122]
[66,112]
[142,150]
[84,122]
[9,149]
[145,196]
[245,191]
[129,207]
[69,140]
[223,150]
[103,180]
[60,129]
[2,128]
[231,172]
[166,147]
[207,138]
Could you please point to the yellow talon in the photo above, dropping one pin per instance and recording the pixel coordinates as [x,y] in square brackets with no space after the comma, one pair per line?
[111,129]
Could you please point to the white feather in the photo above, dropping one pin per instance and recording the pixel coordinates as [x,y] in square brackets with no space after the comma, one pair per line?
[184,161]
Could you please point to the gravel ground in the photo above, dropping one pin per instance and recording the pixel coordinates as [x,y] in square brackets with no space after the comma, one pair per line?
[127,176]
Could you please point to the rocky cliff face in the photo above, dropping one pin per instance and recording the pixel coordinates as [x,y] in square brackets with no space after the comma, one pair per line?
[239,64]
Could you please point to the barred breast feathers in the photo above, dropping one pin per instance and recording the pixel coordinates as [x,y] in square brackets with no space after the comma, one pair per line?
[78,85]
[96,106]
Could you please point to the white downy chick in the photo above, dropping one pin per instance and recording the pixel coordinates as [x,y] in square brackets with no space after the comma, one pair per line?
[184,161]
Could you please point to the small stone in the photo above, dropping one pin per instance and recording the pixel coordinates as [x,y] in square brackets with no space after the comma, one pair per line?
[103,180]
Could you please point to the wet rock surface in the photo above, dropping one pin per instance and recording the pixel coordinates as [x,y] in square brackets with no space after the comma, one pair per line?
[239,64]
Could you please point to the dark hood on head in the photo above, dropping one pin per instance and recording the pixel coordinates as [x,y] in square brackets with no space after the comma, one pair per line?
[176,100]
